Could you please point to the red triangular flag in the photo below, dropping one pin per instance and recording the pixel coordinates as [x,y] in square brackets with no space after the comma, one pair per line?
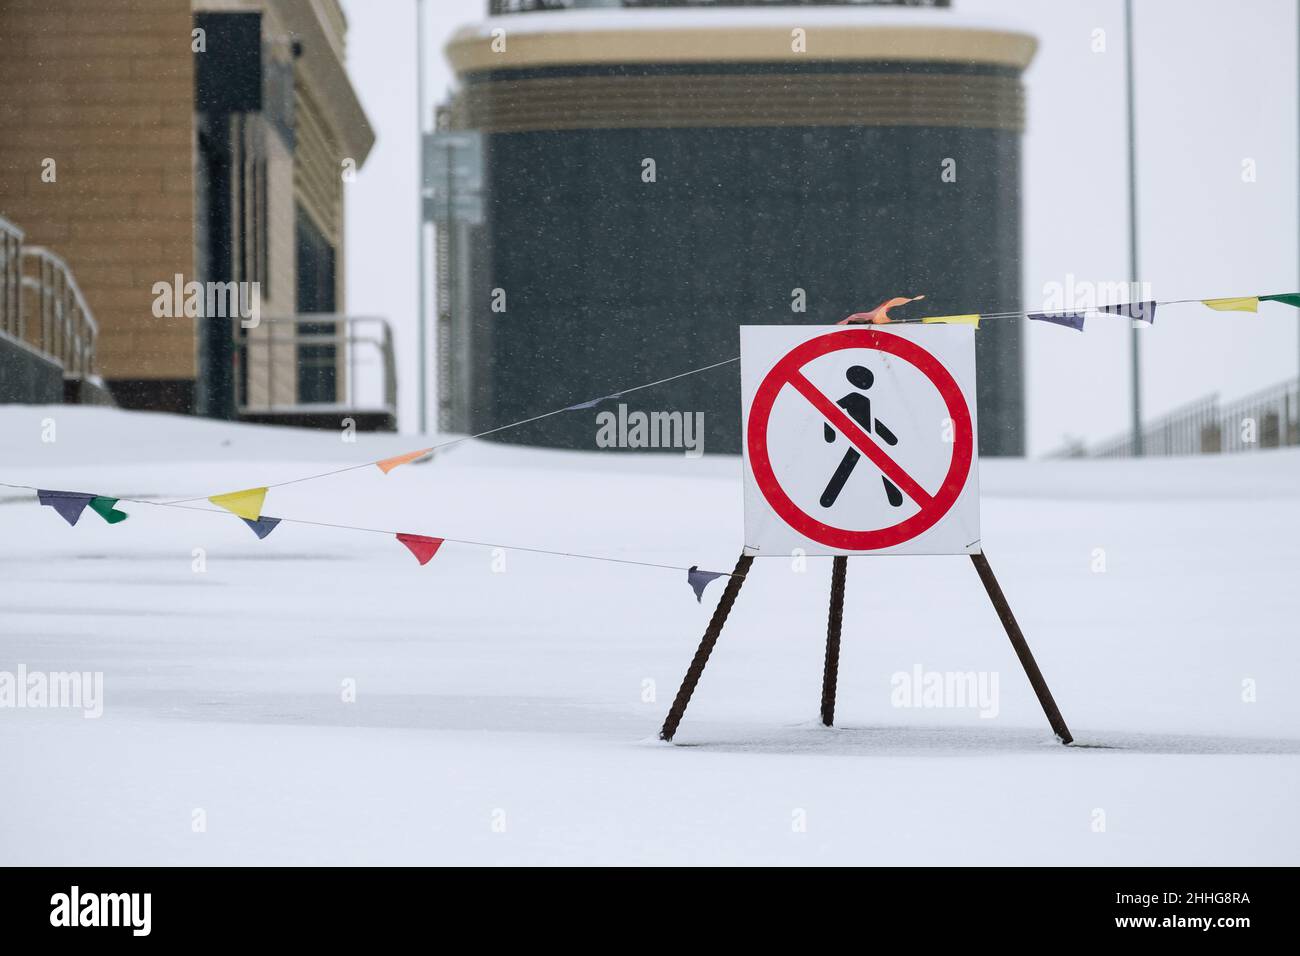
[424,548]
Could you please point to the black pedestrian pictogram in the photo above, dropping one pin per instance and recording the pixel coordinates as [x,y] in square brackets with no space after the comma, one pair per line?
[858,407]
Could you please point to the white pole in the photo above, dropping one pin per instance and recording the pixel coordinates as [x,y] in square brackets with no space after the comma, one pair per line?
[422,319]
[1136,355]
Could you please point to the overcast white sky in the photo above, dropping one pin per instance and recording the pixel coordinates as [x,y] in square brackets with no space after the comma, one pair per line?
[1216,84]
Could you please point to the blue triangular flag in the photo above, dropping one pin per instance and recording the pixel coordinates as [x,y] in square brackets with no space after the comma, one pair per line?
[698,580]
[593,403]
[69,504]
[1146,311]
[262,526]
[1071,320]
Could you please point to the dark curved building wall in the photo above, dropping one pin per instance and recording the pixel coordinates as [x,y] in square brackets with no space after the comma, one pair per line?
[770,177]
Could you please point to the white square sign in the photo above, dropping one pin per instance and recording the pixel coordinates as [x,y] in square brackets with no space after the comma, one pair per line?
[860,439]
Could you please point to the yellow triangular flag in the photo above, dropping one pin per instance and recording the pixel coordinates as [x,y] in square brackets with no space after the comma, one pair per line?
[247,504]
[1247,304]
[954,320]
[388,464]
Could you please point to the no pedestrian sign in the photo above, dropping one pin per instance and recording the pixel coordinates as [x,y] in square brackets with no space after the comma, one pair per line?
[860,440]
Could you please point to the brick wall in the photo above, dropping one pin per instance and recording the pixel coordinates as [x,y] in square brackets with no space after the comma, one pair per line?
[106,91]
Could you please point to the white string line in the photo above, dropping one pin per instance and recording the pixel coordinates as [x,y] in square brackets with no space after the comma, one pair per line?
[184,502]
[984,316]
[695,371]
[351,527]
[1098,309]
[490,431]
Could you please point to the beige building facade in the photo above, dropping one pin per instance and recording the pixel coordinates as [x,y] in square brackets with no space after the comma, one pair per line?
[146,140]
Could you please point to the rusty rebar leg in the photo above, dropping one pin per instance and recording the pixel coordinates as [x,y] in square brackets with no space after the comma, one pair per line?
[839,570]
[1021,648]
[706,647]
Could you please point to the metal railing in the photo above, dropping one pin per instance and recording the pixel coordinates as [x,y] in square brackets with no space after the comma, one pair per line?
[1177,433]
[1269,418]
[53,315]
[273,360]
[11,280]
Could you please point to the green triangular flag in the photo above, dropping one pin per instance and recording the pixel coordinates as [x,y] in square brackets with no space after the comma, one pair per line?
[1287,298]
[104,508]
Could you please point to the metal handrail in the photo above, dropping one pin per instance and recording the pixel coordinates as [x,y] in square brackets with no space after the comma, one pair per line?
[1275,413]
[1207,427]
[68,332]
[1179,432]
[11,280]
[284,330]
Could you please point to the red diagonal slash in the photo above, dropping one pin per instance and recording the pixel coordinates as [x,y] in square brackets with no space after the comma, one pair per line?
[854,433]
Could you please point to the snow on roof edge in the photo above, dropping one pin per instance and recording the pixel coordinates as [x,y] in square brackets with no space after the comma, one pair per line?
[690,18]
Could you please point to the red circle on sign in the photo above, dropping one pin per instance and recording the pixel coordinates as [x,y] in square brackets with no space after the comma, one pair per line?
[963,446]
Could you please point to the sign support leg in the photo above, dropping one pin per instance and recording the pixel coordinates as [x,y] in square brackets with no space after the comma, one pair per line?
[710,638]
[1021,648]
[839,570]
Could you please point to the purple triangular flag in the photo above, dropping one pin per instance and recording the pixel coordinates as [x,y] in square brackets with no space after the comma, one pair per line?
[69,504]
[262,526]
[1071,320]
[698,580]
[1145,311]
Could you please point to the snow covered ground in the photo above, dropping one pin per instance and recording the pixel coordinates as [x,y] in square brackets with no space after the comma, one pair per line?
[501,716]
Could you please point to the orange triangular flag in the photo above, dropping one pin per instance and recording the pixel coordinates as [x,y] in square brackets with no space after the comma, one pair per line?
[247,503]
[880,314]
[424,548]
[388,464]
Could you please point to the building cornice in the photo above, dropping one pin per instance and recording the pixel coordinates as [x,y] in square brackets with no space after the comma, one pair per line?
[472,50]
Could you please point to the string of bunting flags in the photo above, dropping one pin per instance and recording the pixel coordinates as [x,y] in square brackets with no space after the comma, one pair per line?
[247,504]
[388,464]
[1072,319]
[1145,311]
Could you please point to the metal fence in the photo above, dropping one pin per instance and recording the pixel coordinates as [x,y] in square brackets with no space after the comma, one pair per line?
[1269,418]
[11,280]
[315,341]
[43,306]
[54,313]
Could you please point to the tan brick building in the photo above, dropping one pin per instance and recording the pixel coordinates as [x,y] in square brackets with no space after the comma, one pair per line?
[142,140]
